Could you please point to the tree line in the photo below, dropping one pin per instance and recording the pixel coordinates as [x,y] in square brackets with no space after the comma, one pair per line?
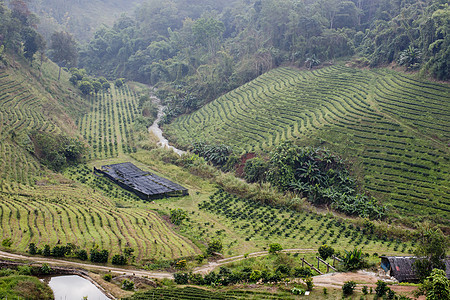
[203,51]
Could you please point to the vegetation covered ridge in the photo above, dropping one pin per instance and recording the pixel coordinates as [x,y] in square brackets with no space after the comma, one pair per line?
[81,216]
[393,126]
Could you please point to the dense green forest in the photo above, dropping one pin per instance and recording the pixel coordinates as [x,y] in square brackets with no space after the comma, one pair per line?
[206,48]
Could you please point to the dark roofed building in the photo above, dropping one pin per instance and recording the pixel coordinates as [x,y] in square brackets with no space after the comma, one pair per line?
[402,267]
[144,184]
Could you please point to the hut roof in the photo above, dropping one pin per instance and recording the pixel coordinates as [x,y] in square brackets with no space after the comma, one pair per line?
[138,180]
[402,267]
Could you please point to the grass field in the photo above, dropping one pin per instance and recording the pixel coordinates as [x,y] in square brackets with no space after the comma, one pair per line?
[391,125]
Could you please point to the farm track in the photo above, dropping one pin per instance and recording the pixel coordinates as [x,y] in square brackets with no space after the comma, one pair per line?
[397,127]
[139,272]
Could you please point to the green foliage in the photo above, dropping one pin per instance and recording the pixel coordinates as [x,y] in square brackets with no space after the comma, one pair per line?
[127,285]
[303,272]
[57,151]
[99,256]
[25,270]
[45,269]
[63,50]
[214,246]
[365,290]
[275,248]
[255,170]
[82,254]
[309,283]
[381,288]
[437,286]
[431,249]
[24,287]
[86,87]
[348,288]
[7,242]
[298,291]
[107,277]
[325,251]
[46,251]
[218,155]
[177,216]
[322,176]
[354,260]
[119,82]
[410,58]
[118,259]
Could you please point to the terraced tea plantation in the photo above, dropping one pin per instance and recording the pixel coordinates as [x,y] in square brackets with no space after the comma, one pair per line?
[107,127]
[396,127]
[197,293]
[21,111]
[84,217]
[265,224]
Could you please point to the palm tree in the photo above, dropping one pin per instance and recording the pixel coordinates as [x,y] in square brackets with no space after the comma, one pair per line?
[313,61]
[410,57]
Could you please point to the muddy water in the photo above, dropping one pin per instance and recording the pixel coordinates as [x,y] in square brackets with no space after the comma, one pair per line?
[163,142]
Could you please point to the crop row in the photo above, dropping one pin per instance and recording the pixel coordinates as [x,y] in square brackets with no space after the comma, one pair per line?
[53,216]
[396,125]
[20,112]
[293,229]
[107,127]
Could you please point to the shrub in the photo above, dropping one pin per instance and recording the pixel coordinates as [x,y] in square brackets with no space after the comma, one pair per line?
[309,283]
[181,278]
[181,264]
[303,272]
[99,256]
[32,249]
[214,246]
[275,248]
[46,250]
[82,255]
[298,291]
[119,259]
[107,277]
[348,288]
[7,242]
[325,251]
[46,269]
[354,260]
[381,288]
[86,87]
[365,290]
[255,170]
[24,270]
[437,286]
[177,216]
[127,285]
[119,82]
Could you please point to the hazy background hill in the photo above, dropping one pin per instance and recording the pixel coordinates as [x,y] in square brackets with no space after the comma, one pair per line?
[79,17]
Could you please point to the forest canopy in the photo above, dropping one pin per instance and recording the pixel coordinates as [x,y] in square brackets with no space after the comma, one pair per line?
[205,48]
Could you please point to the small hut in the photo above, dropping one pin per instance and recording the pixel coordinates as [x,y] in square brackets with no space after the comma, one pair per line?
[144,184]
[402,267]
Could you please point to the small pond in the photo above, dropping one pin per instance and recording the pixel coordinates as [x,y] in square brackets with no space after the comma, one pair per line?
[73,287]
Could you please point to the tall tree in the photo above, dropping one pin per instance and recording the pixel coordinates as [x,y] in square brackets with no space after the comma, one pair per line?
[63,50]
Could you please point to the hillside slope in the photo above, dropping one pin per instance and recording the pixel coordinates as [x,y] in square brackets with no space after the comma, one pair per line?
[392,125]
[43,207]
[27,104]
